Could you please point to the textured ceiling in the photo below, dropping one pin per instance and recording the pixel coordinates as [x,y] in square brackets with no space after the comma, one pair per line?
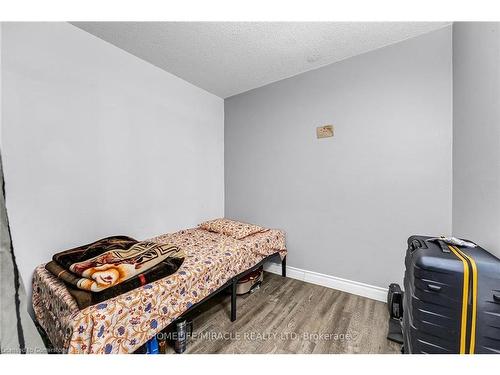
[227,58]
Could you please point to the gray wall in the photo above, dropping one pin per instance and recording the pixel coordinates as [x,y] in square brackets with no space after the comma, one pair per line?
[97,142]
[348,203]
[476,133]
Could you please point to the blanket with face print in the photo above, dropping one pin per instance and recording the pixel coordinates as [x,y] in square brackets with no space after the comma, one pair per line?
[112,266]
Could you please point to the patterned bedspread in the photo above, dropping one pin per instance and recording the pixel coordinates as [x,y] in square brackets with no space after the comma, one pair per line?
[123,323]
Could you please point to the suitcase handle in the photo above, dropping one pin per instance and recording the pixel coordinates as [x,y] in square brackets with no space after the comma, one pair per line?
[444,247]
[435,288]
[414,245]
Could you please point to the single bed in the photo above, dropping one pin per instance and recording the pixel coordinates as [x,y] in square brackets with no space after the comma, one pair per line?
[123,323]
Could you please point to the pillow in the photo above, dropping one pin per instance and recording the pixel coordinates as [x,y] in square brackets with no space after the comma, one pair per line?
[231,228]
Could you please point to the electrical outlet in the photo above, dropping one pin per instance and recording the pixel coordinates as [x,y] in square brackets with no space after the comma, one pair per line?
[324,131]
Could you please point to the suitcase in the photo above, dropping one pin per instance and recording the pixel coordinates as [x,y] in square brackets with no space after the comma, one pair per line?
[451,299]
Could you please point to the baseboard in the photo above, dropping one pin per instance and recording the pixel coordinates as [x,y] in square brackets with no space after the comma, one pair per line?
[349,286]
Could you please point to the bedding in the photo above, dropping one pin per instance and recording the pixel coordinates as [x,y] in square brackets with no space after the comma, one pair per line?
[123,323]
[68,257]
[235,229]
[114,265]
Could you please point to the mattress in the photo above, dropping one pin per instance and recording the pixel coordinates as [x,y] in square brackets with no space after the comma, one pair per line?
[123,323]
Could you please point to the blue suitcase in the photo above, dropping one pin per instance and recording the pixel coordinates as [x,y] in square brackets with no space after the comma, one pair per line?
[451,302]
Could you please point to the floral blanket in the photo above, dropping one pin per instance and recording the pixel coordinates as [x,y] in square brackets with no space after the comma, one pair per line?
[123,323]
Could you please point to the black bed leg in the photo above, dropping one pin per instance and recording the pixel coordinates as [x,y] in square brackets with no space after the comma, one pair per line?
[233,301]
[283,267]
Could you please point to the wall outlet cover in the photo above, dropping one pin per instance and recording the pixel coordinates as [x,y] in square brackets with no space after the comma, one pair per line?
[324,131]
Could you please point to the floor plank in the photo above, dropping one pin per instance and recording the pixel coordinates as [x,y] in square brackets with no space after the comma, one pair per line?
[291,316]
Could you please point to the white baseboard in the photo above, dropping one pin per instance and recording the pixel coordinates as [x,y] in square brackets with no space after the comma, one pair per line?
[354,287]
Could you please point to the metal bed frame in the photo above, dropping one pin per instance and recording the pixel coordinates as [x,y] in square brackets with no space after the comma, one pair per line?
[233,282]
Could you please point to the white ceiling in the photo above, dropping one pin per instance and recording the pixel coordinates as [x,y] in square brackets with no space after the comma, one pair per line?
[227,58]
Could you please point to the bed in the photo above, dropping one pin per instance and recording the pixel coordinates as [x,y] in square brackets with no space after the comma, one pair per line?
[122,324]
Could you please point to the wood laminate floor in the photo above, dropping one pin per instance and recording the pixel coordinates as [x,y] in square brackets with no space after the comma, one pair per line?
[291,316]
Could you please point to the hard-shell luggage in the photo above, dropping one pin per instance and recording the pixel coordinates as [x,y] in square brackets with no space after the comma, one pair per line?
[451,299]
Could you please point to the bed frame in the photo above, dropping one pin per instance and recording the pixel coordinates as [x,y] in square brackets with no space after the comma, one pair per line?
[233,282]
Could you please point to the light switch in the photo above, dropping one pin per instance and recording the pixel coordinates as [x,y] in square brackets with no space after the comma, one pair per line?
[324,131]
